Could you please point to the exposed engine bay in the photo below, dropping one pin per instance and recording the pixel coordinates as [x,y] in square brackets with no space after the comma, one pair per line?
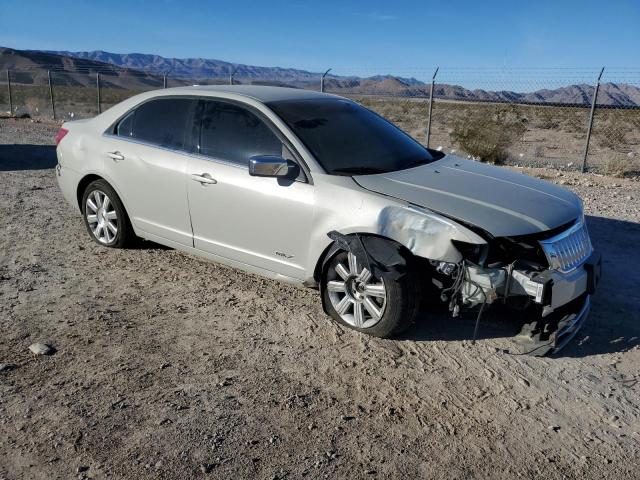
[527,274]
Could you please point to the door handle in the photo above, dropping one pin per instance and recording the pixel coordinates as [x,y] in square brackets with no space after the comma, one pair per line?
[117,156]
[203,179]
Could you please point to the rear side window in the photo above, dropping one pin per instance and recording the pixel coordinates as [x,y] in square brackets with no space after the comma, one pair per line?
[163,122]
[125,126]
[234,134]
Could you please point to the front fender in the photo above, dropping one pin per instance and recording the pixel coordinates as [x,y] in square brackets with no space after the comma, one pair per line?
[424,233]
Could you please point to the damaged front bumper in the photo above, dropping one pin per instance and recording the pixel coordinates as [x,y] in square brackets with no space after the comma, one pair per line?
[563,299]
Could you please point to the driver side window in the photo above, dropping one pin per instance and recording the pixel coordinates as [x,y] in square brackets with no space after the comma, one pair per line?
[231,133]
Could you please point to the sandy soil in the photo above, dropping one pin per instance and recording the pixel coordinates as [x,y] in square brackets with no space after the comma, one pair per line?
[167,366]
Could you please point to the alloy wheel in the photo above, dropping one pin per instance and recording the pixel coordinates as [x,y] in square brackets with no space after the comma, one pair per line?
[355,294]
[102,217]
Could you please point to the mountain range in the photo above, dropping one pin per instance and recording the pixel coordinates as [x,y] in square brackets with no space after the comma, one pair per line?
[138,70]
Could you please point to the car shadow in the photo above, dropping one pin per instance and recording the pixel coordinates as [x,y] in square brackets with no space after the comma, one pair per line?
[143,244]
[15,157]
[613,324]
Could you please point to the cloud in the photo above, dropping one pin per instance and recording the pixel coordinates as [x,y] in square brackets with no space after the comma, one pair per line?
[380,17]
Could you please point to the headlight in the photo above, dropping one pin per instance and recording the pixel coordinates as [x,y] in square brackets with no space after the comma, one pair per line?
[473,252]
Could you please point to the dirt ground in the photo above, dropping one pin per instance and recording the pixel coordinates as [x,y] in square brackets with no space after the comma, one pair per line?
[167,366]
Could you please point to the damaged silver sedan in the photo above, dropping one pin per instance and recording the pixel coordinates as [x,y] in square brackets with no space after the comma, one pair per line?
[315,189]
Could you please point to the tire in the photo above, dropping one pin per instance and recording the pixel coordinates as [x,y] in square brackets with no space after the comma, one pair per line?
[345,285]
[110,226]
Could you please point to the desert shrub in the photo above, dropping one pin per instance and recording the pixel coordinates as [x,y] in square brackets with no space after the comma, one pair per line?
[488,134]
[622,167]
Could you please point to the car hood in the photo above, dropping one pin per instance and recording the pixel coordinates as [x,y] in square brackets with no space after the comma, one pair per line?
[500,201]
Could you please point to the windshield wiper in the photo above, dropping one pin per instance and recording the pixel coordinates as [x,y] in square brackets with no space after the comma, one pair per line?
[358,170]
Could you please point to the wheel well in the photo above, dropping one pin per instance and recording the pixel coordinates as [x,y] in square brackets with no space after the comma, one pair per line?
[83,185]
[317,273]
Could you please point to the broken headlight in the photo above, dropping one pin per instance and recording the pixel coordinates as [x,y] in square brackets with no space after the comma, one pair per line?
[472,252]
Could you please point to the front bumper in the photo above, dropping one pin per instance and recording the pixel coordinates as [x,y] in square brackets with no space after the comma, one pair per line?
[566,287]
[565,310]
[563,299]
[569,326]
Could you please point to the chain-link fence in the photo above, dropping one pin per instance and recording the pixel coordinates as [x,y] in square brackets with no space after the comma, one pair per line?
[532,117]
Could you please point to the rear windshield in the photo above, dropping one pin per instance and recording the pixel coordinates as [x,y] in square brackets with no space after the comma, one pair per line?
[348,139]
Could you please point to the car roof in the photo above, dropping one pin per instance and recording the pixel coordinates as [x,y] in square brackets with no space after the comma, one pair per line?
[261,93]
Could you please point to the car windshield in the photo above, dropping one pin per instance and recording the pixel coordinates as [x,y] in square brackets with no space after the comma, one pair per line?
[348,139]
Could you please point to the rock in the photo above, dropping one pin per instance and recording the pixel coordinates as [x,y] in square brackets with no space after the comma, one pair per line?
[41,349]
[5,367]
[206,468]
[82,468]
[554,428]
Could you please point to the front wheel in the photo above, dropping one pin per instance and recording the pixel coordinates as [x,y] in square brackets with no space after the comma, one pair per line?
[381,307]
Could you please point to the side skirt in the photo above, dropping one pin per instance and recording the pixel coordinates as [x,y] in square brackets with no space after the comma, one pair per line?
[222,260]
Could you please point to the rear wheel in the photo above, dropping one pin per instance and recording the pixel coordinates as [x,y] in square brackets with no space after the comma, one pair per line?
[381,307]
[104,215]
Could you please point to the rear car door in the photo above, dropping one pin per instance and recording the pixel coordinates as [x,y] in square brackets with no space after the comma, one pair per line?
[145,158]
[259,221]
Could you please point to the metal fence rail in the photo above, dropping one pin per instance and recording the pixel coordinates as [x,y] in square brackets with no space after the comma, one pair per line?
[565,118]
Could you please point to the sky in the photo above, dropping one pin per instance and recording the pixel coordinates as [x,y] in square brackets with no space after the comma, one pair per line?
[349,36]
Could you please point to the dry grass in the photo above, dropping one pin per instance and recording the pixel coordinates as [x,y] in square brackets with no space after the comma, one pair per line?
[622,168]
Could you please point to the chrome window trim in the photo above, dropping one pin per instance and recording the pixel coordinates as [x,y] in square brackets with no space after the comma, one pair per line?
[272,126]
[280,135]
[146,144]
[187,153]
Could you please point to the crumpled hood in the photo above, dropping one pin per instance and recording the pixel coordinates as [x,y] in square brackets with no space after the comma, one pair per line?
[498,200]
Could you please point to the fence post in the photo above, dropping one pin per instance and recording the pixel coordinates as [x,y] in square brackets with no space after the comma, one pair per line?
[164,81]
[322,80]
[233,74]
[593,111]
[98,88]
[433,82]
[53,103]
[9,88]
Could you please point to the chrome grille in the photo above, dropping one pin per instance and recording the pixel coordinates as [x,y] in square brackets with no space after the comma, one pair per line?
[569,249]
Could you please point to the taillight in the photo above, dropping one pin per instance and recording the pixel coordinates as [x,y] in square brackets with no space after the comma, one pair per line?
[61,134]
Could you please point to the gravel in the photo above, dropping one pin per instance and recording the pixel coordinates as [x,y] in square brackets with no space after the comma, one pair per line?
[427,405]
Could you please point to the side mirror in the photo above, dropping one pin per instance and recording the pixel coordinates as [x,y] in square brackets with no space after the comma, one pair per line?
[268,166]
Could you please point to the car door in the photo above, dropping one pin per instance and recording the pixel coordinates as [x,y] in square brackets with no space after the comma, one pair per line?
[145,157]
[259,221]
